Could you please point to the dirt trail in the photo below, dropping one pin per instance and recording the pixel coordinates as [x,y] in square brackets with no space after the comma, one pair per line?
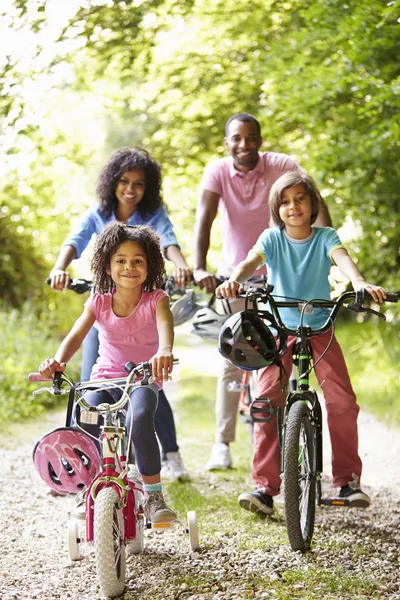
[34,563]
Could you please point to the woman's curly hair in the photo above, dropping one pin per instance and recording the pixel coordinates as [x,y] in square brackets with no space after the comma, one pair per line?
[288,180]
[107,244]
[128,159]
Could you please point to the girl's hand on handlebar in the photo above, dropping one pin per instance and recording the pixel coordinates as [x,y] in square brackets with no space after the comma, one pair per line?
[376,291]
[50,366]
[162,364]
[59,280]
[229,289]
[182,276]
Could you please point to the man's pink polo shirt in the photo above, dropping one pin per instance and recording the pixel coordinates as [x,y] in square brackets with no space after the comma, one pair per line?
[243,202]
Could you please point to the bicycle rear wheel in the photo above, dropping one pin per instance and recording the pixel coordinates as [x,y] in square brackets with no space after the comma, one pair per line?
[300,477]
[109,542]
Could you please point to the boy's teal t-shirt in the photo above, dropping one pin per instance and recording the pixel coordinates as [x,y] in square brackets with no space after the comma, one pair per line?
[299,269]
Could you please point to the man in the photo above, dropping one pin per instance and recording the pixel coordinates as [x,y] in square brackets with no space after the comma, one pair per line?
[238,186]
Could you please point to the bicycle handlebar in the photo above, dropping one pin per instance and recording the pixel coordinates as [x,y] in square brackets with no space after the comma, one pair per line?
[138,374]
[78,285]
[265,295]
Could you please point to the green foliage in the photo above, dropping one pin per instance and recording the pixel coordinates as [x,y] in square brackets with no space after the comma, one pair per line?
[322,77]
[28,338]
[372,354]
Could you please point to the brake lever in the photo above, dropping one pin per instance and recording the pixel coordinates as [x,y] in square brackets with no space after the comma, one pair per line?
[357,307]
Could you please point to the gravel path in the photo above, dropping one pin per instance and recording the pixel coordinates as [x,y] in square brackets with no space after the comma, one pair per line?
[34,563]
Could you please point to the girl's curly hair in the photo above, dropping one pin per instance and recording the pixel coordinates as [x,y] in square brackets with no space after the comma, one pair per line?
[289,180]
[128,159]
[107,244]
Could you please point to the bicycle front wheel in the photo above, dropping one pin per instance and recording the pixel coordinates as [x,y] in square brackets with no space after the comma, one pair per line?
[109,542]
[300,476]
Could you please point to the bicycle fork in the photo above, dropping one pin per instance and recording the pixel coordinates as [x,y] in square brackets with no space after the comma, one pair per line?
[300,392]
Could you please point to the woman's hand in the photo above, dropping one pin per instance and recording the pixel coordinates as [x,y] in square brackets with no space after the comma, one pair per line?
[59,280]
[229,289]
[182,276]
[50,366]
[162,364]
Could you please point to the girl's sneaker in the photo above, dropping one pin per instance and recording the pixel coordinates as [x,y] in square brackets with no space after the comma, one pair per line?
[156,510]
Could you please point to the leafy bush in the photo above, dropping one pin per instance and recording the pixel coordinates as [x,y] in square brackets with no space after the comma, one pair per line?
[372,354]
[27,338]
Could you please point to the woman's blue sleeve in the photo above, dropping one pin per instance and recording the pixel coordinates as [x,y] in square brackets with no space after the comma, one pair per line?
[82,234]
[164,228]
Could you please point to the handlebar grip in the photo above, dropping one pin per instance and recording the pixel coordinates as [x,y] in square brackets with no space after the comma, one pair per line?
[32,377]
[364,295]
[392,297]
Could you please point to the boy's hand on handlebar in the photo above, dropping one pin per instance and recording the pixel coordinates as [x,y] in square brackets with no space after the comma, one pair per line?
[59,280]
[182,276]
[205,280]
[161,365]
[376,291]
[229,289]
[50,366]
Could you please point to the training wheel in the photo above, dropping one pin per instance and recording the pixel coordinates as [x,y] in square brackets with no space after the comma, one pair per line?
[136,546]
[193,530]
[73,540]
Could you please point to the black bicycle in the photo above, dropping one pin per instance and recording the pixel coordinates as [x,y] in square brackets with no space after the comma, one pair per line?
[300,427]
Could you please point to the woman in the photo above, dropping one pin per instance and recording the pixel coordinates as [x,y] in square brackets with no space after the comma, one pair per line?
[129,190]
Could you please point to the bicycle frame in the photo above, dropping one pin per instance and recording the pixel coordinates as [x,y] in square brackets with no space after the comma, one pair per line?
[113,474]
[301,358]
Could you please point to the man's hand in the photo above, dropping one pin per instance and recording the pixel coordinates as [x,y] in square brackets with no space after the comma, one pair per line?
[205,280]
[50,366]
[229,289]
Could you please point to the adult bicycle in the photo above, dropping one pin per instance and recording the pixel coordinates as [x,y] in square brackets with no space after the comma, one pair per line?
[111,488]
[300,426]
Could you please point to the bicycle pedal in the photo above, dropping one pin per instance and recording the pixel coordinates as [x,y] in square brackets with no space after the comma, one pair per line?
[161,526]
[340,502]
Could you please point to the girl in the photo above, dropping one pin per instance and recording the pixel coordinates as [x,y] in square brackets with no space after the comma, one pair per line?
[135,324]
[129,190]
[298,258]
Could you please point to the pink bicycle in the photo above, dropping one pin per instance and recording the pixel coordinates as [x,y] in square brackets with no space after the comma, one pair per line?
[69,461]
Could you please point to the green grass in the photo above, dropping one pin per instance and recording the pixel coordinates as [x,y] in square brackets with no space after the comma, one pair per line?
[372,354]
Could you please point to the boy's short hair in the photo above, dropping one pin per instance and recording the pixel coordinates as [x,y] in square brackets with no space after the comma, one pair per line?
[245,118]
[289,180]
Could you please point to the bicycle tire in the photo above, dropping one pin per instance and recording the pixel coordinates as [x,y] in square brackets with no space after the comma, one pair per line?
[109,535]
[300,477]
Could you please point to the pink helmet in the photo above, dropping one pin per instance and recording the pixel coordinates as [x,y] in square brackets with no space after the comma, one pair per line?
[66,459]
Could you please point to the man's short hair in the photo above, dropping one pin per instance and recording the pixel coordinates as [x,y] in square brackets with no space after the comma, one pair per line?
[244,117]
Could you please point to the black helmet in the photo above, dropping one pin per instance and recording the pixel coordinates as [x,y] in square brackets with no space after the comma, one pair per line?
[248,342]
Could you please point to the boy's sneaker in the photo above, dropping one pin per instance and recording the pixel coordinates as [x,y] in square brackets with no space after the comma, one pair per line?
[220,457]
[173,468]
[156,510]
[257,502]
[357,498]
